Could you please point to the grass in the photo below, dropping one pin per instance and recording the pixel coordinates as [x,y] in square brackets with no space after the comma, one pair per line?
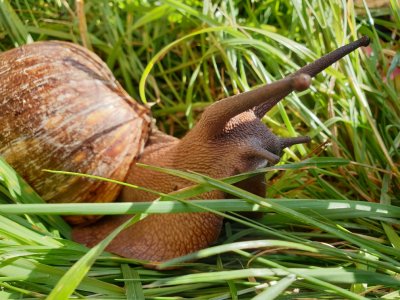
[333,234]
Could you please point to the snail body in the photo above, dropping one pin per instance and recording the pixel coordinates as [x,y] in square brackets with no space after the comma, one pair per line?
[61,108]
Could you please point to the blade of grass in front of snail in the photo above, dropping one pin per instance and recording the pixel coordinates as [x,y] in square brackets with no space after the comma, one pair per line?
[305,219]
[19,191]
[196,189]
[330,209]
[334,275]
[242,194]
[73,277]
[199,178]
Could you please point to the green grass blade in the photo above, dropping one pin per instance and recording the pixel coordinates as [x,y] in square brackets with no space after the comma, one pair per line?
[13,24]
[277,289]
[21,192]
[37,272]
[232,190]
[133,286]
[235,246]
[329,208]
[73,277]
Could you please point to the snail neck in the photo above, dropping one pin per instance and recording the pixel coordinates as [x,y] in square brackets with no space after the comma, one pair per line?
[158,237]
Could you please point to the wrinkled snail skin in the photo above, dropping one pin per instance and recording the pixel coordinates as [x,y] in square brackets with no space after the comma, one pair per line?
[64,110]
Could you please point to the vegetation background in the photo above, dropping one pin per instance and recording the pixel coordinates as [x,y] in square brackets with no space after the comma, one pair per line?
[333,234]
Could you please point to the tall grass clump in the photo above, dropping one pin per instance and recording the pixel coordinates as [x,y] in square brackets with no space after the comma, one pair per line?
[331,215]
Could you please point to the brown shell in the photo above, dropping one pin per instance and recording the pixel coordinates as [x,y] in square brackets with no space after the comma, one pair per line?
[62,109]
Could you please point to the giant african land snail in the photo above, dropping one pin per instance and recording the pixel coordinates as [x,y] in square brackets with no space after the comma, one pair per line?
[61,108]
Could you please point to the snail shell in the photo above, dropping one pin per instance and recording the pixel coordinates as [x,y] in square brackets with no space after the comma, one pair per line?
[62,109]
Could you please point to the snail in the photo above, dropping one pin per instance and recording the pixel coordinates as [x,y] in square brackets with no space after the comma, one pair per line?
[61,108]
